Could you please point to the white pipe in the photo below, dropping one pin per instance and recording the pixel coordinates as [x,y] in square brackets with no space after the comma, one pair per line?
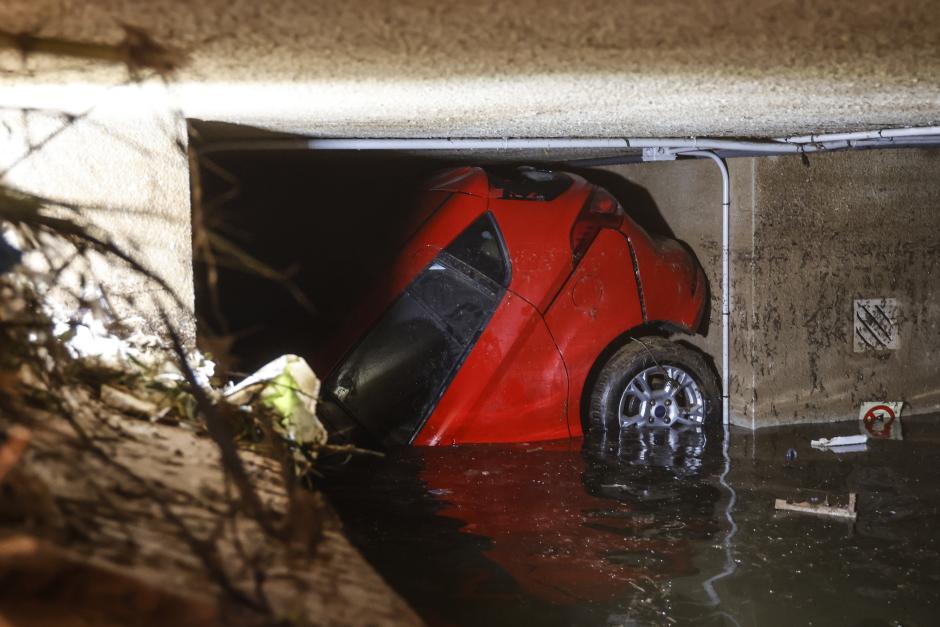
[678,144]
[671,145]
[508,143]
[810,143]
[885,133]
[725,279]
[783,147]
[505,143]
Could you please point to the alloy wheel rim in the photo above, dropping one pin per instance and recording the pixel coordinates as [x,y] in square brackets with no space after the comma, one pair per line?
[662,396]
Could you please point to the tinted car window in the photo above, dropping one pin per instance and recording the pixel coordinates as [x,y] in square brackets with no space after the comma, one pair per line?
[457,300]
[391,382]
[481,248]
[389,378]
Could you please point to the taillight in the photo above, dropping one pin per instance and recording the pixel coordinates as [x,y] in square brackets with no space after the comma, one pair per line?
[601,211]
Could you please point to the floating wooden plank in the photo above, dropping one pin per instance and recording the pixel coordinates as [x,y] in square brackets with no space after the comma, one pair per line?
[821,509]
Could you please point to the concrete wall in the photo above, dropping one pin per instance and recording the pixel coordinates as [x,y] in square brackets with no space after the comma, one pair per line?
[807,242]
[122,159]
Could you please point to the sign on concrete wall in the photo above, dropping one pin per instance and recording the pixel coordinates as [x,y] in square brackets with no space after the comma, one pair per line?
[881,419]
[876,324]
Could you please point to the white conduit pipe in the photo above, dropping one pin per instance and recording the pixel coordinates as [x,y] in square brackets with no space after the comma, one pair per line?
[725,280]
[467,144]
[786,145]
[887,133]
[673,145]
[676,145]
[805,144]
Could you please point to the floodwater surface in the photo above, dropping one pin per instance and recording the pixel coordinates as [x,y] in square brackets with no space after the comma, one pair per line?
[668,528]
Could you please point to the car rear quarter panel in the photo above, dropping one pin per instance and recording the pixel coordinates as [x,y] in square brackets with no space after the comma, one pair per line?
[673,284]
[598,303]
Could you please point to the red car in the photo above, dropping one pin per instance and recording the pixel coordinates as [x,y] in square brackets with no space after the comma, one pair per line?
[523,307]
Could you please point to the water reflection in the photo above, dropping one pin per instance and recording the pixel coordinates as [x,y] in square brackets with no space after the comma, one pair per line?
[578,526]
[582,532]
[620,531]
[680,449]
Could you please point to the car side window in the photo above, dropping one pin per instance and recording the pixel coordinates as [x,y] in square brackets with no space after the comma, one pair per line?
[480,247]
[391,382]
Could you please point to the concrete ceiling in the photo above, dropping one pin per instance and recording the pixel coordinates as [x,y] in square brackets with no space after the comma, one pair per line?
[523,68]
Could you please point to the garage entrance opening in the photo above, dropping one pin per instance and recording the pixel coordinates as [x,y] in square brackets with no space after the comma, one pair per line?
[329,223]
[666,525]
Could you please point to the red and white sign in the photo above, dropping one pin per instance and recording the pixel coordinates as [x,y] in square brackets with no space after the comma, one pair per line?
[881,420]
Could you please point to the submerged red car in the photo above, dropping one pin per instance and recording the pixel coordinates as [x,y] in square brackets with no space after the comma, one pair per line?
[524,306]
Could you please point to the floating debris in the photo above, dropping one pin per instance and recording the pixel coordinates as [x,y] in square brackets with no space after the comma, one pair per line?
[842,443]
[288,386]
[823,509]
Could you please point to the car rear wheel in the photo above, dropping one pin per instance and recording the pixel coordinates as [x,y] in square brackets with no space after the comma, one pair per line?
[653,382]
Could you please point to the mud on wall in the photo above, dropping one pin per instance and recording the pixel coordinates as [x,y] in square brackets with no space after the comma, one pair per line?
[807,241]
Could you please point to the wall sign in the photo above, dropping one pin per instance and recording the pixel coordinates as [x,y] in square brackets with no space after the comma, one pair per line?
[875,325]
[881,420]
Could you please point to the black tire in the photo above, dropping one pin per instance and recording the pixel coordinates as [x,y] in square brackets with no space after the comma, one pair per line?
[635,357]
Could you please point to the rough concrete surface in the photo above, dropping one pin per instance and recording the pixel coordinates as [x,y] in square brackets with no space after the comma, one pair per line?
[123,160]
[530,67]
[851,226]
[150,504]
[807,242]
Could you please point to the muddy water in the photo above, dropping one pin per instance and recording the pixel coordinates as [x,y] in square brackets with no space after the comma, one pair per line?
[674,528]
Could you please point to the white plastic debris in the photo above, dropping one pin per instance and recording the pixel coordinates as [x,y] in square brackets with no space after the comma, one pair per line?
[841,441]
[290,387]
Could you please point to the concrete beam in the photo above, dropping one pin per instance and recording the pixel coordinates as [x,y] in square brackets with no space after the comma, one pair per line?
[488,68]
